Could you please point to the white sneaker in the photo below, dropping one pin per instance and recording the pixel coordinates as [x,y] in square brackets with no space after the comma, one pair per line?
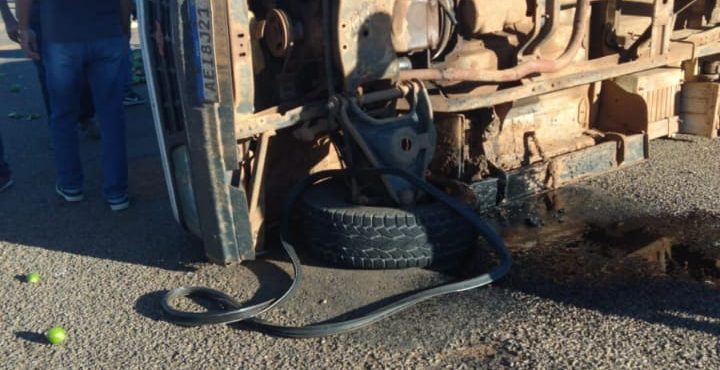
[6,183]
[72,196]
[119,204]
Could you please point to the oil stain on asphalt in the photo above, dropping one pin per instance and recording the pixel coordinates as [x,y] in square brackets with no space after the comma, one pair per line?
[577,233]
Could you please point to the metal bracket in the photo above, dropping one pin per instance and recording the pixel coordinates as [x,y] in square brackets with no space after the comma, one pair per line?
[406,142]
[621,140]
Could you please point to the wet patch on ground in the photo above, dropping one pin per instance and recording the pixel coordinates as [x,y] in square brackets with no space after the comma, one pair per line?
[581,234]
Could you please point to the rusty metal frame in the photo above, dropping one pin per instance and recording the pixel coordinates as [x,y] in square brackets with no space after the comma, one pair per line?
[215,124]
[685,45]
[682,49]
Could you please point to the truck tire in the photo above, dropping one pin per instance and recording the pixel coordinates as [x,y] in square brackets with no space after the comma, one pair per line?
[365,237]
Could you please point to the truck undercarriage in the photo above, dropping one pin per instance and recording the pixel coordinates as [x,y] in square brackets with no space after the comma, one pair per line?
[487,100]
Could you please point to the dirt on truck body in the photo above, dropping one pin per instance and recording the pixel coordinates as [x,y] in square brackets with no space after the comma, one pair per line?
[487,100]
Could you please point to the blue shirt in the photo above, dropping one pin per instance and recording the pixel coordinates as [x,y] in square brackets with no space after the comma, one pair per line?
[80,20]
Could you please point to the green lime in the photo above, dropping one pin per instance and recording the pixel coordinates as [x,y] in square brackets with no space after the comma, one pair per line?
[33,277]
[56,335]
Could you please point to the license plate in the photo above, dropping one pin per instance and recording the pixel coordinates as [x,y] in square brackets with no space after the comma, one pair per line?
[206,75]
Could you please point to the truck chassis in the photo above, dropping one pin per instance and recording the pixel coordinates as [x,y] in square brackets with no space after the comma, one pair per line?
[487,100]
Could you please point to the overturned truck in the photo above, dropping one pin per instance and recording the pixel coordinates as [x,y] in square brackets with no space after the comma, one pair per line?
[487,100]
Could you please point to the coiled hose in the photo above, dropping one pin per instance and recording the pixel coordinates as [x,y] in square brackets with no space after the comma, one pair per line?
[233,311]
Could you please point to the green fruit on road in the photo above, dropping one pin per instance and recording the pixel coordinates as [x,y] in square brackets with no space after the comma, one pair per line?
[56,335]
[33,277]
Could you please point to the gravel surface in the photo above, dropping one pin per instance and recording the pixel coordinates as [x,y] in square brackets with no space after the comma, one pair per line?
[679,177]
[573,301]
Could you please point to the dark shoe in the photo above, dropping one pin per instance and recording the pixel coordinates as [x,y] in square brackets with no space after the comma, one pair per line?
[132,98]
[72,196]
[119,204]
[6,183]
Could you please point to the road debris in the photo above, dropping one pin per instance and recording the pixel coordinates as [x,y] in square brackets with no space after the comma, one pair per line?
[56,335]
[33,277]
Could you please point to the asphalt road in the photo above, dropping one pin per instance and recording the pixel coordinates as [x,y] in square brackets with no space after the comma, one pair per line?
[576,299]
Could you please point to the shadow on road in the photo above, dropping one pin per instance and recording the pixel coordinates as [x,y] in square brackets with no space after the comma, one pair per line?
[32,215]
[273,283]
[673,304]
[148,305]
[31,337]
[593,253]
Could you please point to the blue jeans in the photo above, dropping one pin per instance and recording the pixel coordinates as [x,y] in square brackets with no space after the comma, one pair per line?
[130,73]
[103,63]
[87,110]
[4,168]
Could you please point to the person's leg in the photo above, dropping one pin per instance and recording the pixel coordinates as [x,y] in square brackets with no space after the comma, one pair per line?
[64,73]
[128,83]
[106,75]
[5,178]
[40,67]
[129,69]
[131,97]
[4,167]
[87,113]
[87,109]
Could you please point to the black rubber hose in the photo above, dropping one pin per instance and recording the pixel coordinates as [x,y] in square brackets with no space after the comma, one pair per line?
[233,311]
